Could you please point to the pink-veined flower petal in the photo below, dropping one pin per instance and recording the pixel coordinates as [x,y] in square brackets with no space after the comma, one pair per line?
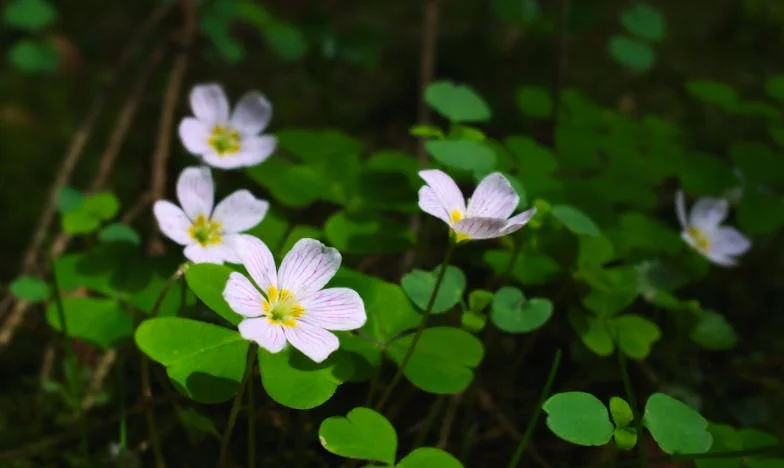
[729,241]
[172,222]
[267,335]
[258,260]
[195,135]
[307,267]
[431,204]
[680,208]
[215,253]
[445,190]
[252,113]
[314,342]
[209,103]
[494,197]
[240,211]
[242,296]
[708,213]
[232,246]
[517,221]
[196,191]
[334,309]
[480,228]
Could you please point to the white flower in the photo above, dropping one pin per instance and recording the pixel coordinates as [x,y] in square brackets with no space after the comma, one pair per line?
[209,235]
[703,231]
[488,211]
[292,306]
[224,141]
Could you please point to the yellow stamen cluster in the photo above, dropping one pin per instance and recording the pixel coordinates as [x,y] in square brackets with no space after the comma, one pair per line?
[225,141]
[205,231]
[281,308]
[701,240]
[456,216]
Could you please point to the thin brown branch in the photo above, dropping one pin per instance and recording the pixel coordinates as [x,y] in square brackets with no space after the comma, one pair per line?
[100,373]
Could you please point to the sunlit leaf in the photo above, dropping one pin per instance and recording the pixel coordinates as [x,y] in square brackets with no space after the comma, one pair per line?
[362,434]
[593,332]
[429,457]
[207,281]
[462,155]
[100,321]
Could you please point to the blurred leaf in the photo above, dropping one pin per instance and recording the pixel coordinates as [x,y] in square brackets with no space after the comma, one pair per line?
[196,424]
[363,434]
[535,101]
[30,289]
[593,332]
[295,381]
[532,157]
[429,457]
[713,332]
[419,285]
[513,313]
[644,21]
[479,299]
[119,232]
[594,252]
[295,185]
[705,175]
[462,155]
[760,212]
[317,147]
[714,92]
[99,321]
[365,354]
[758,162]
[79,222]
[518,187]
[427,131]
[69,199]
[635,335]
[366,233]
[575,220]
[774,85]
[473,321]
[579,418]
[675,426]
[632,53]
[301,232]
[517,12]
[272,230]
[30,15]
[204,361]
[286,40]
[443,360]
[207,281]
[34,56]
[457,103]
[621,412]
[528,268]
[625,438]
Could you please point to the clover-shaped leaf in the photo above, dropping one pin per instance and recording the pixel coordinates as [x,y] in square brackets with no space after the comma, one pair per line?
[30,288]
[456,102]
[635,335]
[593,332]
[513,313]
[575,220]
[712,331]
[207,281]
[419,285]
[295,381]
[443,359]
[204,361]
[100,321]
[462,155]
[579,418]
[362,434]
[675,426]
[429,457]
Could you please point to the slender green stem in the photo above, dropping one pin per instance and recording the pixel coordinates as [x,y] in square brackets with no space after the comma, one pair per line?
[235,406]
[632,399]
[251,420]
[419,330]
[71,364]
[529,430]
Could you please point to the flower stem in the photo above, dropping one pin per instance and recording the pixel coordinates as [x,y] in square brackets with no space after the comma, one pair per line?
[235,406]
[632,400]
[529,430]
[420,329]
[251,419]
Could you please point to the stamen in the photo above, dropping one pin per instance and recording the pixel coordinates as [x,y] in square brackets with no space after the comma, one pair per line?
[205,231]
[701,240]
[281,308]
[224,140]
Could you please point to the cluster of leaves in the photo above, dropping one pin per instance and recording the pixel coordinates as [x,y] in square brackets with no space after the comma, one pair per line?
[33,52]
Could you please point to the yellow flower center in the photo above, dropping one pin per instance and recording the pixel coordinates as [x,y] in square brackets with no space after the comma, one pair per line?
[456,216]
[225,141]
[205,232]
[281,308]
[701,240]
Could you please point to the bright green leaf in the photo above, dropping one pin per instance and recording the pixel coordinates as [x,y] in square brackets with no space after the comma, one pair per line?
[429,457]
[575,220]
[579,418]
[103,206]
[462,155]
[473,321]
[528,268]
[593,332]
[621,412]
[362,434]
[30,289]
[456,102]
[79,222]
[625,438]
[479,299]
[100,321]
[513,313]
[419,285]
[675,426]
[207,281]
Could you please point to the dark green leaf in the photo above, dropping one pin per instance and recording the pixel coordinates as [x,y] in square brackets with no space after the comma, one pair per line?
[99,321]
[119,232]
[644,21]
[419,286]
[513,313]
[30,15]
[207,281]
[535,101]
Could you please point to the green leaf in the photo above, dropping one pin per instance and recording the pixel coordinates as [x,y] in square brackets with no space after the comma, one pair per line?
[286,40]
[364,352]
[362,434]
[692,175]
[621,412]
[29,15]
[30,289]
[579,418]
[714,92]
[774,85]
[513,313]
[535,101]
[298,233]
[103,206]
[625,438]
[426,131]
[594,252]
[644,21]
[294,185]
[119,232]
[207,281]
[367,233]
[69,199]
[517,12]
[272,230]
[443,359]
[758,162]
[760,212]
[79,222]
[429,457]
[419,286]
[575,220]
[456,102]
[204,361]
[528,268]
[632,53]
[462,155]
[196,424]
[713,332]
[473,321]
[34,56]
[99,321]
[675,426]
[635,335]
[593,332]
[479,299]
[295,381]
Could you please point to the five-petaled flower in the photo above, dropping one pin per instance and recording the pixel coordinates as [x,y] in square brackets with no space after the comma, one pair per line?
[488,210]
[704,232]
[292,304]
[209,235]
[227,141]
